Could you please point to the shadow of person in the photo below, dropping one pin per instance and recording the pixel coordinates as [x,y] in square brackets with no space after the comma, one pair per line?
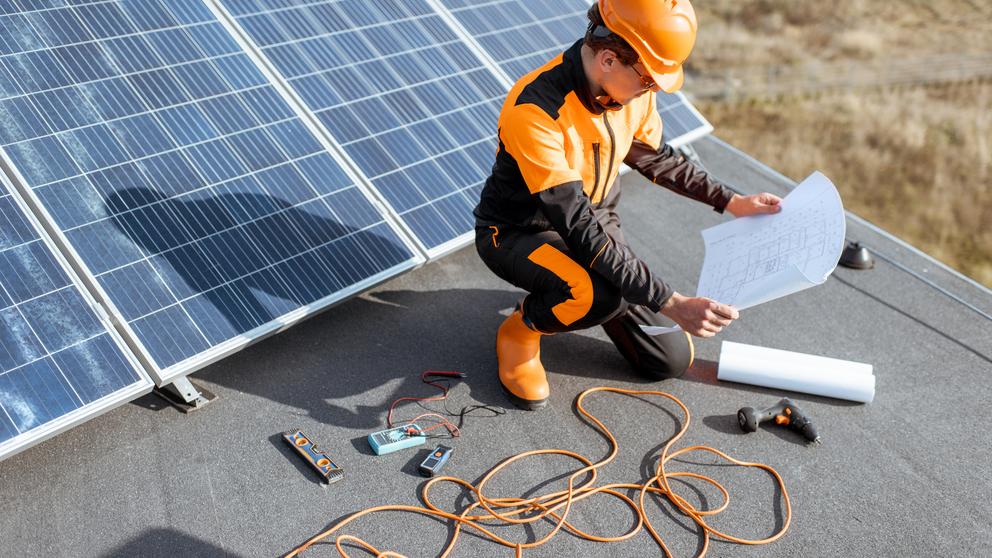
[238,260]
[344,367]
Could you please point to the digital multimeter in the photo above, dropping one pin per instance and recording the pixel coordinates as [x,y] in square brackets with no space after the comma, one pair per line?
[394,439]
[435,461]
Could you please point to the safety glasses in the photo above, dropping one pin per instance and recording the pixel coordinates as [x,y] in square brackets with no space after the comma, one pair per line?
[646,81]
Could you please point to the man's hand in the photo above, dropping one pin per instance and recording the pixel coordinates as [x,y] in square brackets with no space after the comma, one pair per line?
[699,316]
[739,205]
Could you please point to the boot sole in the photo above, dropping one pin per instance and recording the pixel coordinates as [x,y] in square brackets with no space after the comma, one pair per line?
[521,403]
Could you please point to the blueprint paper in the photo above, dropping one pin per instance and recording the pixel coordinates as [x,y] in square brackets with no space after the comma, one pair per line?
[777,369]
[759,258]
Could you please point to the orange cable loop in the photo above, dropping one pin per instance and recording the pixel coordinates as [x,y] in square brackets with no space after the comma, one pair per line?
[557,505]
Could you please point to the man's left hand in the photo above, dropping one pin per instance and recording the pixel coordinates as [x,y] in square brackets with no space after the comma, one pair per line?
[739,205]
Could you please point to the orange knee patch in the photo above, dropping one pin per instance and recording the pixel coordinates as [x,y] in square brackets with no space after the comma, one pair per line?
[577,278]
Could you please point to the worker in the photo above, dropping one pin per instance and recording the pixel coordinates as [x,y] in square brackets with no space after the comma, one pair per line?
[546,221]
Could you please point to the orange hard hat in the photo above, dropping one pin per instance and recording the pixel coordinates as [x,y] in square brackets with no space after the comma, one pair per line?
[662,32]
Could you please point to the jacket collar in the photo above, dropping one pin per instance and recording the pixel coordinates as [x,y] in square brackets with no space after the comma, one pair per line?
[573,58]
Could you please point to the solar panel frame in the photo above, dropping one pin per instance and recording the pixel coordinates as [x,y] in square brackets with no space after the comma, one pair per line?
[179,53]
[214,351]
[90,311]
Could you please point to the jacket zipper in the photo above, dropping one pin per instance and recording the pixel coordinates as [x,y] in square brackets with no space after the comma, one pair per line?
[596,165]
[613,148]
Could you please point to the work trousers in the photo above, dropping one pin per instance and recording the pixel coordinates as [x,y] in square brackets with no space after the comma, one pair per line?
[566,296]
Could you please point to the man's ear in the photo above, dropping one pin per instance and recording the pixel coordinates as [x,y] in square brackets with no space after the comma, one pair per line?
[607,60]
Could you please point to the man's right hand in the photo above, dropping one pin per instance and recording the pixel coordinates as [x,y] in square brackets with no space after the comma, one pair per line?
[702,317]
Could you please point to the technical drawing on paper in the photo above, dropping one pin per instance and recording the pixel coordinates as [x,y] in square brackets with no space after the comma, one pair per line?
[753,260]
[770,251]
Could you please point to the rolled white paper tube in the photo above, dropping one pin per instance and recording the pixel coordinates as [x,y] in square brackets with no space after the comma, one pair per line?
[774,368]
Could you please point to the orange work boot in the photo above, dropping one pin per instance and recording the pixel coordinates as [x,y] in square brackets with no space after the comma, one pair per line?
[518,350]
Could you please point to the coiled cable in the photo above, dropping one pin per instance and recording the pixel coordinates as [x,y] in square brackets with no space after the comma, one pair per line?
[556,506]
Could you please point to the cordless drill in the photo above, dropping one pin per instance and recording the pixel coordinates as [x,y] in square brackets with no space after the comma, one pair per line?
[785,413]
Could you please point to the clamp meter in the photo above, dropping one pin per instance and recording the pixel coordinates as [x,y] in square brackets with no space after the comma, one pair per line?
[435,461]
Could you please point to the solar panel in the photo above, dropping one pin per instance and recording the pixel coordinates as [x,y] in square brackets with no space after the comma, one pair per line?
[408,101]
[683,124]
[59,364]
[203,209]
[520,36]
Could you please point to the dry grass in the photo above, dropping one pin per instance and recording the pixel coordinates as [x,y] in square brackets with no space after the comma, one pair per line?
[758,33]
[917,162]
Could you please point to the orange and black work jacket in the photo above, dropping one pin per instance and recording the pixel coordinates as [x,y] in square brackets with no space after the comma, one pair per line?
[556,167]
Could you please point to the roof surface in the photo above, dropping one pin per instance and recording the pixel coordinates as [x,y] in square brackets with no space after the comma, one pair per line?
[905,474]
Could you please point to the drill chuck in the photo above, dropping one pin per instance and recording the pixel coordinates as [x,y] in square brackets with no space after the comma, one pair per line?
[785,413]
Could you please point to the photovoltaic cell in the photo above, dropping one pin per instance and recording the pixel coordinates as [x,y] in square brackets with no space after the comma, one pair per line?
[58,362]
[188,187]
[406,99]
[520,36]
[682,122]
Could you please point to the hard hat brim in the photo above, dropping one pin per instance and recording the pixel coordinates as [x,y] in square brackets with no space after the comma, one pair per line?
[669,82]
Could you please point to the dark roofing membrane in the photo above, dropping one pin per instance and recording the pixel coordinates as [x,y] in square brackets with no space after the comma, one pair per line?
[904,475]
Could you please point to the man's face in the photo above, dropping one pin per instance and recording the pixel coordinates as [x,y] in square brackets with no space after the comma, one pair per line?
[623,82]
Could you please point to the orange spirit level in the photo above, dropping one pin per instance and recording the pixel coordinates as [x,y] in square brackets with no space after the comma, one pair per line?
[316,458]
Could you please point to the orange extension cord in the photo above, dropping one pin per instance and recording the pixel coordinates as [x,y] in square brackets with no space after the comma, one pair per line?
[558,504]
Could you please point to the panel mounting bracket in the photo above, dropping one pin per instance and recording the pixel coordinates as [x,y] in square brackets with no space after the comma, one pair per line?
[182,394]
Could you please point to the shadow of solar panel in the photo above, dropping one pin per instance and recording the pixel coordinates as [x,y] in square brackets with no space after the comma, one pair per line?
[58,363]
[206,210]
[406,99]
[521,36]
